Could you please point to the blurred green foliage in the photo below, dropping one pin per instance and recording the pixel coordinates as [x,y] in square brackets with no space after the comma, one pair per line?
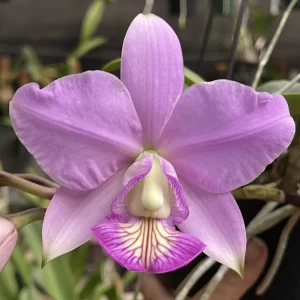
[261,21]
[190,77]
[88,41]
[67,277]
[30,65]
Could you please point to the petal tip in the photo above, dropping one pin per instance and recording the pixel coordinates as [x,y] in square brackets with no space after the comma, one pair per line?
[240,269]
[44,262]
[46,258]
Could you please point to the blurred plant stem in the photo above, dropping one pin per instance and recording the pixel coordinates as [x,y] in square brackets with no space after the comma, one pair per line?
[282,245]
[259,224]
[7,179]
[26,217]
[273,43]
[237,30]
[138,286]
[182,14]
[148,7]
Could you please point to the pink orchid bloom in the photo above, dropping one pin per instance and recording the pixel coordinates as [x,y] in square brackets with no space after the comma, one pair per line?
[138,156]
[8,240]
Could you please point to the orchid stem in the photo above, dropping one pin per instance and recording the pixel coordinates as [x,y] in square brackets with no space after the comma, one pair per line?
[273,42]
[213,283]
[7,179]
[256,191]
[148,7]
[38,180]
[26,217]
[270,220]
[206,35]
[200,269]
[182,14]
[258,227]
[282,245]
[267,208]
[289,84]
[237,30]
[137,287]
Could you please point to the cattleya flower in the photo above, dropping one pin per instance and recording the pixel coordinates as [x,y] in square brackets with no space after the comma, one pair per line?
[8,240]
[138,156]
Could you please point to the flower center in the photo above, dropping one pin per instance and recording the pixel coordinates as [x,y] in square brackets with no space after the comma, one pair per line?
[152,196]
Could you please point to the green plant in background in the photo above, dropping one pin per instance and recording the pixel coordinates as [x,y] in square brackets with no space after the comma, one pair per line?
[190,77]
[30,65]
[69,277]
[261,22]
[289,89]
[64,278]
[88,41]
[252,38]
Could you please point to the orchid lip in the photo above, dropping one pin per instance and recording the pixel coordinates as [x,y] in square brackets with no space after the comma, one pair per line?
[143,238]
[146,244]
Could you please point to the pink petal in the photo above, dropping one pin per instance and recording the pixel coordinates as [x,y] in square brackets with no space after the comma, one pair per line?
[81,128]
[223,134]
[146,244]
[8,240]
[152,70]
[71,214]
[216,220]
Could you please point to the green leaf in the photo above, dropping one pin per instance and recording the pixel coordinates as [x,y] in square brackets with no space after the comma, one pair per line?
[292,95]
[190,77]
[129,277]
[6,121]
[293,101]
[30,293]
[31,57]
[78,259]
[32,234]
[22,265]
[261,21]
[101,290]
[112,66]
[112,294]
[88,288]
[32,63]
[275,85]
[92,20]
[59,280]
[87,46]
[57,275]
[8,283]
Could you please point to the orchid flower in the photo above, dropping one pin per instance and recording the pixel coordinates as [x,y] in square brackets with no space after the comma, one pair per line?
[138,156]
[8,240]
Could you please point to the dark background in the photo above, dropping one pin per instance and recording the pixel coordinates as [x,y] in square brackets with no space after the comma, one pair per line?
[52,28]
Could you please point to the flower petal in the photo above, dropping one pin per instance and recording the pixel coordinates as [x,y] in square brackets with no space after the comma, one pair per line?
[216,220]
[152,70]
[8,240]
[81,128]
[146,244]
[223,134]
[71,214]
